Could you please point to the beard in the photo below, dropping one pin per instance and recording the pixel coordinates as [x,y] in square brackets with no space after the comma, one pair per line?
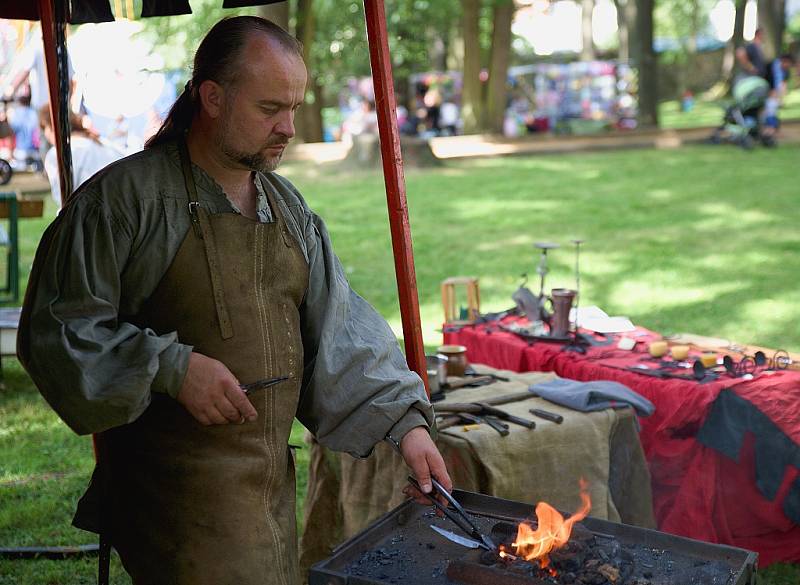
[255,161]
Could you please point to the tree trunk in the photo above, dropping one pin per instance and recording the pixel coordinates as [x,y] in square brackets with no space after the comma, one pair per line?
[624,52]
[691,46]
[310,115]
[497,97]
[626,29]
[471,92]
[647,65]
[587,48]
[634,46]
[277,13]
[737,40]
[772,20]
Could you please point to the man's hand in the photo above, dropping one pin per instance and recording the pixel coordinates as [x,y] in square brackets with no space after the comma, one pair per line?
[424,459]
[211,393]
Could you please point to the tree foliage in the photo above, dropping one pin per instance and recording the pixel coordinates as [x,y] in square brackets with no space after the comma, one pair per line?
[177,37]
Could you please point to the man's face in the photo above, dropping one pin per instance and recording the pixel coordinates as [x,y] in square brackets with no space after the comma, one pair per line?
[257,119]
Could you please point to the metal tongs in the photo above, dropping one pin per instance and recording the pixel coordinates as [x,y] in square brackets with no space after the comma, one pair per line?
[261,384]
[457,514]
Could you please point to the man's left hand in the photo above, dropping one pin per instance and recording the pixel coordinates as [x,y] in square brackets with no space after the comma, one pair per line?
[424,459]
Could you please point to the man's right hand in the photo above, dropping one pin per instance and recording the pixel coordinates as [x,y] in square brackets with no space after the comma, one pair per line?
[211,393]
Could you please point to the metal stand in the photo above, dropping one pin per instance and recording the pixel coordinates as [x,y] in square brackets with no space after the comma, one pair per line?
[577,343]
[542,270]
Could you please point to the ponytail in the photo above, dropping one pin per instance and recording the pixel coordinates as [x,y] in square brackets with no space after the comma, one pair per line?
[177,121]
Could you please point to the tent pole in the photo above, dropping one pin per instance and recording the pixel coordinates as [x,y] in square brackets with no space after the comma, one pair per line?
[52,13]
[386,108]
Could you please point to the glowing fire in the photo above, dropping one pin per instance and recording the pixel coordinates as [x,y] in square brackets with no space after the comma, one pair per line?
[552,530]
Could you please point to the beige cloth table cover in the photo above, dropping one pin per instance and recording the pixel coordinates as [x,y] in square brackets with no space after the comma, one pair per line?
[529,465]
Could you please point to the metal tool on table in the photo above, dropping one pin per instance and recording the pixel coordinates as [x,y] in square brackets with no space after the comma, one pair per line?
[542,270]
[500,427]
[547,415]
[470,381]
[470,371]
[483,409]
[450,419]
[457,514]
[534,307]
[488,409]
[262,384]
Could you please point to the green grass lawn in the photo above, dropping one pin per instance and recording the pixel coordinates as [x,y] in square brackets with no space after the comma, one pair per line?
[701,239]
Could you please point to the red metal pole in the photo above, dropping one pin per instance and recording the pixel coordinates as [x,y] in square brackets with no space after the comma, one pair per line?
[386,108]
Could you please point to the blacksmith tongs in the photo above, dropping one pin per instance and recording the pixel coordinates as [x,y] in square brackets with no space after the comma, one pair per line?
[262,384]
[457,514]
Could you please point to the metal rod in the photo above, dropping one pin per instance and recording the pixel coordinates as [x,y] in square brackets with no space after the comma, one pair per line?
[52,13]
[391,155]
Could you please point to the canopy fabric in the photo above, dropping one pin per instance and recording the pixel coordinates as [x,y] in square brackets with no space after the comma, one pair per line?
[84,11]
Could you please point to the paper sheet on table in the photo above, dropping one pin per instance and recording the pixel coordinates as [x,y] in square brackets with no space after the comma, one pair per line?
[596,319]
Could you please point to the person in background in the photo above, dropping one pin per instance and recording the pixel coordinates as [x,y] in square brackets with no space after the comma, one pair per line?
[25,123]
[751,56]
[449,118]
[89,154]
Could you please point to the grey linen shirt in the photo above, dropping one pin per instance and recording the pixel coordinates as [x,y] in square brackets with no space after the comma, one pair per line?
[105,254]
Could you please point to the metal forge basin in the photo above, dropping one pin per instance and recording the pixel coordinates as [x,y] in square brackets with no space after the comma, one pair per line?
[400,548]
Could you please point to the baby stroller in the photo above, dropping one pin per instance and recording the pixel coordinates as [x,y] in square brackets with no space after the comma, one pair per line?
[741,124]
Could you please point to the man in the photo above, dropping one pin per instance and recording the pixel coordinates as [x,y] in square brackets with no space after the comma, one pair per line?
[751,56]
[179,273]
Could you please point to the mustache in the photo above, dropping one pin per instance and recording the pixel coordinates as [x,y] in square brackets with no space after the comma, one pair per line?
[276,142]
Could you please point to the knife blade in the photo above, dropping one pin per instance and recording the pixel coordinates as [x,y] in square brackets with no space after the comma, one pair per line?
[453,537]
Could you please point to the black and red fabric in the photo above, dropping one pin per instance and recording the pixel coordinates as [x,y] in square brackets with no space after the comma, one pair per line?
[724,456]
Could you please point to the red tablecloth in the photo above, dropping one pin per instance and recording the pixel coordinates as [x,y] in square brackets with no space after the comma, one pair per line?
[698,492]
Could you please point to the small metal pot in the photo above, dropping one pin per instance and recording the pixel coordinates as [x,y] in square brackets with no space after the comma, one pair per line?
[437,371]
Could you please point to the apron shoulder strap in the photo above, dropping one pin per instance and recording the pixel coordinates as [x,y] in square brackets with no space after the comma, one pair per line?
[191,188]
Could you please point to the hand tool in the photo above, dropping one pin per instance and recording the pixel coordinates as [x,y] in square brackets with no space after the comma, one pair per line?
[483,409]
[457,515]
[547,415]
[453,537]
[495,424]
[261,384]
[470,371]
[470,381]
[503,415]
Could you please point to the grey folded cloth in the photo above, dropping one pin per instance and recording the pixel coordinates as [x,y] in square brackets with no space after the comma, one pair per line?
[590,396]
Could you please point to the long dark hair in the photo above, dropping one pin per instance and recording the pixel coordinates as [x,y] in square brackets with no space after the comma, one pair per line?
[217,59]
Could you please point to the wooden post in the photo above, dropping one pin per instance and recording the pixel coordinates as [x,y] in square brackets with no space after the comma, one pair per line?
[386,108]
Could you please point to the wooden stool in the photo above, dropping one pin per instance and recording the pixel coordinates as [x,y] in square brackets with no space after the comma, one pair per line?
[452,310]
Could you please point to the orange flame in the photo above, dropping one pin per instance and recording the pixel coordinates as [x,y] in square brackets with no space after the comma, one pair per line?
[552,530]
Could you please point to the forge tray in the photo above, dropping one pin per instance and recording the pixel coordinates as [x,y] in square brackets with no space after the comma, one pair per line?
[400,548]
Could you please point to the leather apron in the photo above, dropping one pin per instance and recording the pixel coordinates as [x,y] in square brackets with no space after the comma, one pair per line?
[190,504]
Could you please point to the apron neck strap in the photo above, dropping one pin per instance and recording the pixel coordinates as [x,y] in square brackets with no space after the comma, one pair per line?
[191,188]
